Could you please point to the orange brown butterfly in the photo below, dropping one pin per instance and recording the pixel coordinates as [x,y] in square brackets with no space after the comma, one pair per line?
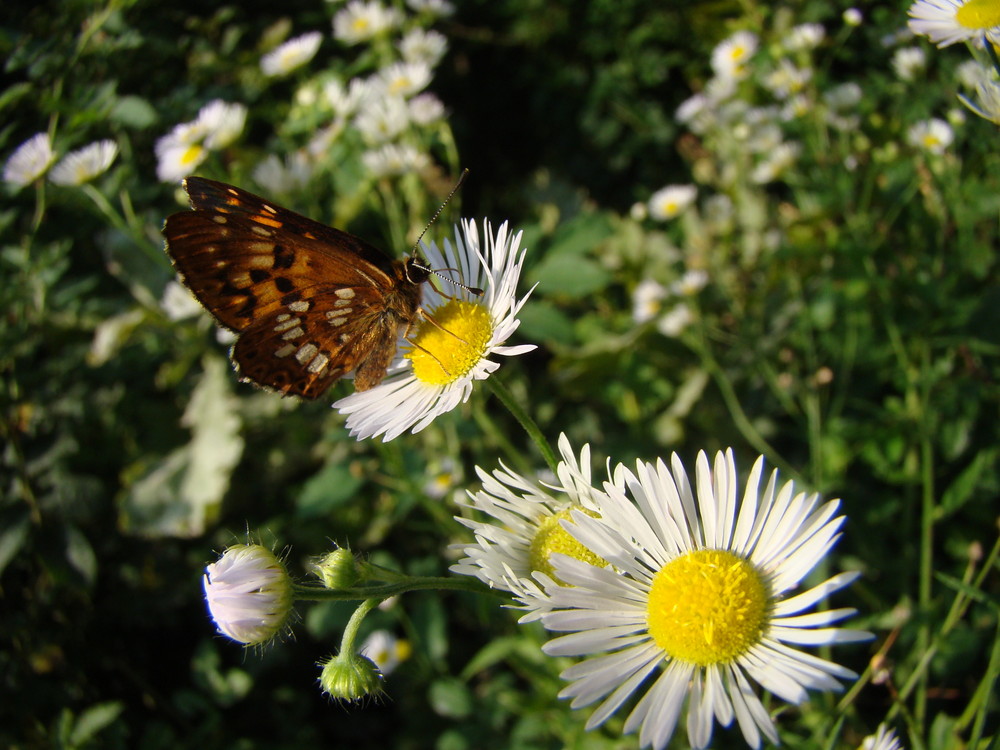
[309,303]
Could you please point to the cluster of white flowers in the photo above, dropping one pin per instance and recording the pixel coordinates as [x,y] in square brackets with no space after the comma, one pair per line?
[34,158]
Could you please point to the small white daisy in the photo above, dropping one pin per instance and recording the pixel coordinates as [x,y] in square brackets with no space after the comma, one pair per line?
[731,56]
[694,605]
[222,123]
[779,160]
[448,355]
[345,100]
[647,300]
[425,109]
[386,650]
[291,55]
[29,161]
[84,164]
[945,22]
[423,46]
[286,177]
[853,17]
[909,62]
[249,593]
[883,739]
[405,78]
[524,527]
[676,319]
[690,283]
[394,159]
[177,159]
[360,21]
[933,136]
[433,7]
[670,201]
[787,79]
[382,119]
[178,303]
[805,37]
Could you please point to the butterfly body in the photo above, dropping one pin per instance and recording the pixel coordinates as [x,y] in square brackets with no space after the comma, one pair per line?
[308,303]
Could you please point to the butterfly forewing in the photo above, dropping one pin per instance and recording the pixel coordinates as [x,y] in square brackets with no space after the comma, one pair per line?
[309,303]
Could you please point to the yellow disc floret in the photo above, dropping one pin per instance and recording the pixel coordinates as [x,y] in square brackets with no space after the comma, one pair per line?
[979,14]
[707,607]
[552,537]
[451,342]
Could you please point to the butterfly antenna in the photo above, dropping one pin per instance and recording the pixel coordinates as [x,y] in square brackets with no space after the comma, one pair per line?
[461,179]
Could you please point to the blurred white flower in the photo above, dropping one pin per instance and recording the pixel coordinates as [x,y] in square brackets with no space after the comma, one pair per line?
[381,120]
[676,319]
[987,105]
[804,37]
[670,201]
[647,300]
[909,62]
[394,159]
[945,22]
[360,21]
[933,136]
[291,55]
[29,161]
[731,55]
[222,122]
[425,109]
[423,46]
[84,164]
[405,78]
[283,177]
[853,17]
[386,650]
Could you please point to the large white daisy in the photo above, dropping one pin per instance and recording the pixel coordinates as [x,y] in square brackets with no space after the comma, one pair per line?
[945,22]
[695,605]
[452,346]
[523,528]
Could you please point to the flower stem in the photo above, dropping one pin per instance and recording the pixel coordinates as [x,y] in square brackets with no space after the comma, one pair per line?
[507,398]
[383,591]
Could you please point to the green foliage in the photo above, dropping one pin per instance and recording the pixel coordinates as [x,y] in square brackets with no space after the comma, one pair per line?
[847,328]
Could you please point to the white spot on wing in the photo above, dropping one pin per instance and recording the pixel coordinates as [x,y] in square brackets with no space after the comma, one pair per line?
[284,325]
[318,364]
[306,352]
[292,334]
[299,306]
[285,350]
[345,293]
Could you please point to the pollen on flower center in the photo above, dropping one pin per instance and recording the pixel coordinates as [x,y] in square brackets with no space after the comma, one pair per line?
[191,154]
[707,606]
[979,14]
[552,537]
[452,343]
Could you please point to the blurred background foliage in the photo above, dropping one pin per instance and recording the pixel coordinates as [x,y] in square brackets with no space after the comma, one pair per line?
[848,328]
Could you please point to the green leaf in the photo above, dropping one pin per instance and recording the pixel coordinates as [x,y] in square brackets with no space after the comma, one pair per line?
[93,720]
[965,484]
[570,275]
[134,112]
[450,698]
[81,555]
[13,533]
[331,487]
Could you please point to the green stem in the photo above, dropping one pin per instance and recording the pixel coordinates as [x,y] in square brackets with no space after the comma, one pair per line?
[384,591]
[351,629]
[507,399]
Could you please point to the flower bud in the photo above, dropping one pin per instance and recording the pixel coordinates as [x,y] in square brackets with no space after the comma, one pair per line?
[249,593]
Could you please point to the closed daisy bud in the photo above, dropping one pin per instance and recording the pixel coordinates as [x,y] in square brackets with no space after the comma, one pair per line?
[337,569]
[249,594]
[350,677]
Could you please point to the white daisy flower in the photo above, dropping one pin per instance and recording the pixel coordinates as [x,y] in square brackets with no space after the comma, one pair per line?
[178,303]
[731,55]
[405,79]
[29,161]
[692,282]
[670,201]
[883,739]
[852,17]
[779,160]
[360,21]
[423,46]
[787,79]
[433,7]
[381,120]
[694,606]
[447,355]
[805,37]
[249,593]
[647,300]
[524,527]
[425,109]
[945,22]
[345,100]
[933,136]
[394,159]
[222,123]
[676,319]
[286,177]
[909,62]
[385,650]
[177,159]
[293,54]
[84,164]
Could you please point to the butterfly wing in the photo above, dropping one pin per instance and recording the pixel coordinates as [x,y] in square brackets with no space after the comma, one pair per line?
[309,303]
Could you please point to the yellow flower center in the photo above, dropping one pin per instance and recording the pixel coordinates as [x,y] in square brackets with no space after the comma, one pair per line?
[979,14]
[707,606]
[360,25]
[552,537]
[450,345]
[192,154]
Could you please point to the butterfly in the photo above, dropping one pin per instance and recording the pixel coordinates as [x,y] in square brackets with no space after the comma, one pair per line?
[308,303]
